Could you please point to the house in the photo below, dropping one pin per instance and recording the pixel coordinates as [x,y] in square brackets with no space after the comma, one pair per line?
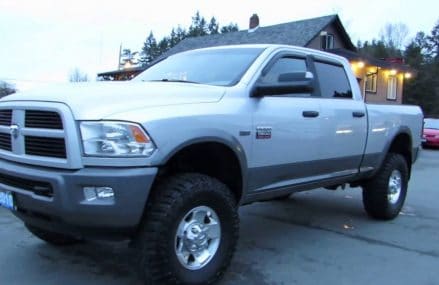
[381,81]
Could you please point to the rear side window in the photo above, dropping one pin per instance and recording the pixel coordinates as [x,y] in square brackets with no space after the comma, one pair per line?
[284,65]
[333,81]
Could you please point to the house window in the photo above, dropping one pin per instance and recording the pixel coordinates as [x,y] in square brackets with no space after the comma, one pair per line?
[371,82]
[391,88]
[327,41]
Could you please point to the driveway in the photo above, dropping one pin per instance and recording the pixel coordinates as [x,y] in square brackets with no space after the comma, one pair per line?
[317,237]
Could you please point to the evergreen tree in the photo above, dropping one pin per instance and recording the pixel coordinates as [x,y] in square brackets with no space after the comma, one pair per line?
[198,26]
[150,50]
[213,26]
[229,28]
[6,89]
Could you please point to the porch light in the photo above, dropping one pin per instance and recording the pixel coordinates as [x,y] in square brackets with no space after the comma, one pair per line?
[407,75]
[361,64]
[393,72]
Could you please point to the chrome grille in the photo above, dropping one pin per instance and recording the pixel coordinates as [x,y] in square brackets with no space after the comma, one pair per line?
[5,117]
[39,133]
[43,120]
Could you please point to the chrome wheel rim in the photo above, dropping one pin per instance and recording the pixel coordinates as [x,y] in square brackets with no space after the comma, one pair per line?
[198,237]
[395,187]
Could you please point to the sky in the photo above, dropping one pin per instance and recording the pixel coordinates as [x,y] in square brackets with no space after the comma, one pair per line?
[42,41]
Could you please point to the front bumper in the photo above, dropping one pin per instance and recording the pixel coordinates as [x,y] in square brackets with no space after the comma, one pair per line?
[64,208]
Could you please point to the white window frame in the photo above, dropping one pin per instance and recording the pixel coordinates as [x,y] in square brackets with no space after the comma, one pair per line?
[392,84]
[327,41]
[371,77]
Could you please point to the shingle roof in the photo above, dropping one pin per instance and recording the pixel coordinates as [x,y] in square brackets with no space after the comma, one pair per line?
[298,33]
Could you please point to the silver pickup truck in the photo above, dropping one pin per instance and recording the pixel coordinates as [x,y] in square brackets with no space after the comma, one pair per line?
[167,158]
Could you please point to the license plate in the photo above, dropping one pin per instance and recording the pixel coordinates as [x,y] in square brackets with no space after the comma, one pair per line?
[7,200]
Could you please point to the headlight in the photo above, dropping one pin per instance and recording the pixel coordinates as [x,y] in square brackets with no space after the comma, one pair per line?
[115,139]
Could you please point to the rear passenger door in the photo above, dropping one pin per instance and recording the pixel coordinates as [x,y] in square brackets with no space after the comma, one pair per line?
[343,119]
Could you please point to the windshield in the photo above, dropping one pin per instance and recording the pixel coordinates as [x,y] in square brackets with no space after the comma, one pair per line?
[431,124]
[222,67]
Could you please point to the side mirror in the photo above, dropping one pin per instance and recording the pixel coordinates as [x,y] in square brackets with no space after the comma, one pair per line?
[287,83]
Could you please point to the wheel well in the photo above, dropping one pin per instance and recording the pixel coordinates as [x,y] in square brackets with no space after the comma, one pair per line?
[211,158]
[402,144]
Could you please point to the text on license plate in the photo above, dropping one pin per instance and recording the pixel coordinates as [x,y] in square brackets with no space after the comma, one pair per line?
[7,200]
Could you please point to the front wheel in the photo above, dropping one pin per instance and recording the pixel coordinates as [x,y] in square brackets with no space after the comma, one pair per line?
[384,194]
[189,232]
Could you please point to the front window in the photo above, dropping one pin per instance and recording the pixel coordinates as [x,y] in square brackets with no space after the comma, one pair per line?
[283,65]
[222,67]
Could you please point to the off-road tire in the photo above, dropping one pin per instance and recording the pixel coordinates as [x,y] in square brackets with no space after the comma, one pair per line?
[171,199]
[376,191]
[52,238]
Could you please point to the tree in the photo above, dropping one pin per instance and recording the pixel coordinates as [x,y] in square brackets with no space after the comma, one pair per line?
[433,42]
[198,26]
[232,27]
[163,45]
[213,26]
[129,58]
[76,75]
[377,49]
[423,90]
[6,89]
[394,35]
[150,50]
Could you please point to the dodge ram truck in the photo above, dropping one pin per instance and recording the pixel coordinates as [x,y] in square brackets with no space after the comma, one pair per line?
[166,159]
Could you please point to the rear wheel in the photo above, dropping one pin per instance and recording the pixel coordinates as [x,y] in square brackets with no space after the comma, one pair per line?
[384,195]
[51,237]
[189,232]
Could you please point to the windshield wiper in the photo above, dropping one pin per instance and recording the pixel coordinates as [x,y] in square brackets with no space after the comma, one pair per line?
[174,80]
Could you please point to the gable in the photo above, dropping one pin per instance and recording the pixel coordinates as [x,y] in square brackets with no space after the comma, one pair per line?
[339,42]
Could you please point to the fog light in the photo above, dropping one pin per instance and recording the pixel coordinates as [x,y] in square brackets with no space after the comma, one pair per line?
[90,193]
[99,193]
[105,192]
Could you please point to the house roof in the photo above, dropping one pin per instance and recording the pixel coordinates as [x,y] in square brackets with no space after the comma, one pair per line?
[122,71]
[354,56]
[298,33]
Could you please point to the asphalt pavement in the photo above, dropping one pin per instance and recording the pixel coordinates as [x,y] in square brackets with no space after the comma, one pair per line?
[315,237]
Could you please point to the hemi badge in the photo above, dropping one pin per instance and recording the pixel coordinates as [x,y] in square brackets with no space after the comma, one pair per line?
[263,133]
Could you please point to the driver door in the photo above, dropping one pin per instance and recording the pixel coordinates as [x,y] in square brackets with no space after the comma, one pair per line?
[288,136]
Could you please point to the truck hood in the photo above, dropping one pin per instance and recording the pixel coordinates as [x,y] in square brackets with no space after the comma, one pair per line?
[98,100]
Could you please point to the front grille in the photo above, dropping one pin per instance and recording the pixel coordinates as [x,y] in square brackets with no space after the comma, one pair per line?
[43,120]
[5,117]
[37,187]
[42,146]
[5,142]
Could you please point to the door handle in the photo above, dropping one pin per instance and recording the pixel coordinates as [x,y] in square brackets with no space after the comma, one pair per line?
[358,114]
[310,114]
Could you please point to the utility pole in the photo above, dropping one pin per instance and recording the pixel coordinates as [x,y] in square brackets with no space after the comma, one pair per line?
[120,55]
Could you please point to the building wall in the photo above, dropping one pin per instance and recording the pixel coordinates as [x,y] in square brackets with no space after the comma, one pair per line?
[382,85]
